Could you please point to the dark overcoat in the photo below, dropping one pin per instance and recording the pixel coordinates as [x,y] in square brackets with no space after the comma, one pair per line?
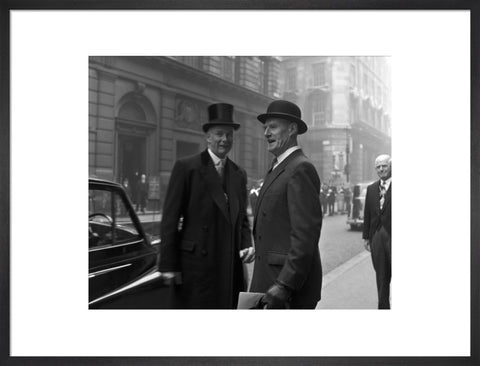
[373,217]
[204,225]
[287,225]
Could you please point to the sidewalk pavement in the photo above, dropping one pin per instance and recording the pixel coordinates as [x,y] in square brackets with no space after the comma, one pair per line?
[351,285]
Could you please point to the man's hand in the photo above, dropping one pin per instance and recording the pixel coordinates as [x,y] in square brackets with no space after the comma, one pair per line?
[277,297]
[171,277]
[366,244]
[247,255]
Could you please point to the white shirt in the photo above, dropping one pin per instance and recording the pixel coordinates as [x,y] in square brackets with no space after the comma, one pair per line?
[216,159]
[285,155]
[387,183]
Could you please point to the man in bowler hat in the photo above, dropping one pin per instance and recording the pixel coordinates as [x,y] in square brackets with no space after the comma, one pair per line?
[288,217]
[205,230]
[377,227]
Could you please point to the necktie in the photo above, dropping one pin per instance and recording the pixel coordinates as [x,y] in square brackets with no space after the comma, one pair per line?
[383,190]
[219,167]
[274,161]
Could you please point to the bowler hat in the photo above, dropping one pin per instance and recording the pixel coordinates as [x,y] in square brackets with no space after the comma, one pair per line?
[220,114]
[286,110]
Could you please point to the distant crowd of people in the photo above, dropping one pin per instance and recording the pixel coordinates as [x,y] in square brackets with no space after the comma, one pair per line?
[333,199]
[336,199]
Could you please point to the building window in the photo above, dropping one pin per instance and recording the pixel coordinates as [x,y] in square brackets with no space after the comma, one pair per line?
[353,76]
[132,111]
[319,74]
[193,61]
[365,83]
[319,110]
[185,148]
[291,81]
[264,76]
[229,68]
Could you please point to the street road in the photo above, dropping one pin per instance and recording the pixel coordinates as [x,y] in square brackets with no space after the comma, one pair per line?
[338,243]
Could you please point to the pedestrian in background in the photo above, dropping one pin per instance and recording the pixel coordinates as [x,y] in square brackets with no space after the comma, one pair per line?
[209,192]
[331,201]
[126,187]
[347,198]
[288,220]
[142,193]
[377,227]
[323,200]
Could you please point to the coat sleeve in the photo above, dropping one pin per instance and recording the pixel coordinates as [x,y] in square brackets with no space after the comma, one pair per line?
[246,233]
[305,214]
[367,215]
[175,201]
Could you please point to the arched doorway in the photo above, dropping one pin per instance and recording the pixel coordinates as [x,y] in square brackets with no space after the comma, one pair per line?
[135,124]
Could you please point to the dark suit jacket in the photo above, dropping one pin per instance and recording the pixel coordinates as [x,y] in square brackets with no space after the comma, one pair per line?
[287,225]
[373,217]
[202,233]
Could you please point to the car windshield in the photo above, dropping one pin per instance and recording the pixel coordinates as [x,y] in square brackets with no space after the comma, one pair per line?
[110,221]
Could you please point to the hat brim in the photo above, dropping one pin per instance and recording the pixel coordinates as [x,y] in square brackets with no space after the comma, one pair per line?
[302,126]
[206,126]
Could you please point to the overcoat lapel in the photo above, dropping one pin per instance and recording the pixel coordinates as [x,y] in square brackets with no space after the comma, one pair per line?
[271,177]
[232,175]
[214,185]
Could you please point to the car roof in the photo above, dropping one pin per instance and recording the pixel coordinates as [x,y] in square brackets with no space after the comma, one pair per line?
[364,183]
[103,182]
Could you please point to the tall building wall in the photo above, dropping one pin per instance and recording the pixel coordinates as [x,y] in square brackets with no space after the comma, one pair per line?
[345,101]
[146,112]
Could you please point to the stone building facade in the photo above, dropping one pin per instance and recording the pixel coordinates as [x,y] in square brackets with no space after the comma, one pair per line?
[146,112]
[346,102]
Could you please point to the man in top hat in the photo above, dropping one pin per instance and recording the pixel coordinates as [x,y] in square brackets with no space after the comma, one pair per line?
[205,230]
[288,217]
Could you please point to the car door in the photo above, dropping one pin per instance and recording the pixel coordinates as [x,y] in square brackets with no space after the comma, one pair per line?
[118,250]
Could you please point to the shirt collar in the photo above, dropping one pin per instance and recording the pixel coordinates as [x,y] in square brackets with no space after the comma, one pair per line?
[215,158]
[285,155]
[387,183]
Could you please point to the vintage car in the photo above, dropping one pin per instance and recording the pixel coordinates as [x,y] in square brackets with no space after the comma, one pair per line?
[355,219]
[123,260]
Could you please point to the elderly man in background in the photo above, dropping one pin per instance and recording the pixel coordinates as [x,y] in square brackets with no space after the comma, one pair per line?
[377,227]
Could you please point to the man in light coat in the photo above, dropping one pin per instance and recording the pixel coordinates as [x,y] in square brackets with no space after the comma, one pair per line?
[205,230]
[288,217]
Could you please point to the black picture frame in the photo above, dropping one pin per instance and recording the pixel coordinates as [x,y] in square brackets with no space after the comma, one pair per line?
[6,6]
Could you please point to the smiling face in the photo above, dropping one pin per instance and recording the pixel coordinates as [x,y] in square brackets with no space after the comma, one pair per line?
[220,140]
[383,166]
[280,134]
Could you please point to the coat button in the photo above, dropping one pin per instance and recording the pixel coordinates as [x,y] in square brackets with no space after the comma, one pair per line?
[204,252]
[205,228]
[264,213]
[259,237]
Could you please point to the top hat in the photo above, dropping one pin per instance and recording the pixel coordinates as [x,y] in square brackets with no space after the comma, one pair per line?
[286,110]
[220,114]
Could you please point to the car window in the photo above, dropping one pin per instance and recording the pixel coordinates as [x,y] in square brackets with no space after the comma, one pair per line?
[109,221]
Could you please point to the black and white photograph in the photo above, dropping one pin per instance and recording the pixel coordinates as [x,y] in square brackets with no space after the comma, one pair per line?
[232,160]
[167,230]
